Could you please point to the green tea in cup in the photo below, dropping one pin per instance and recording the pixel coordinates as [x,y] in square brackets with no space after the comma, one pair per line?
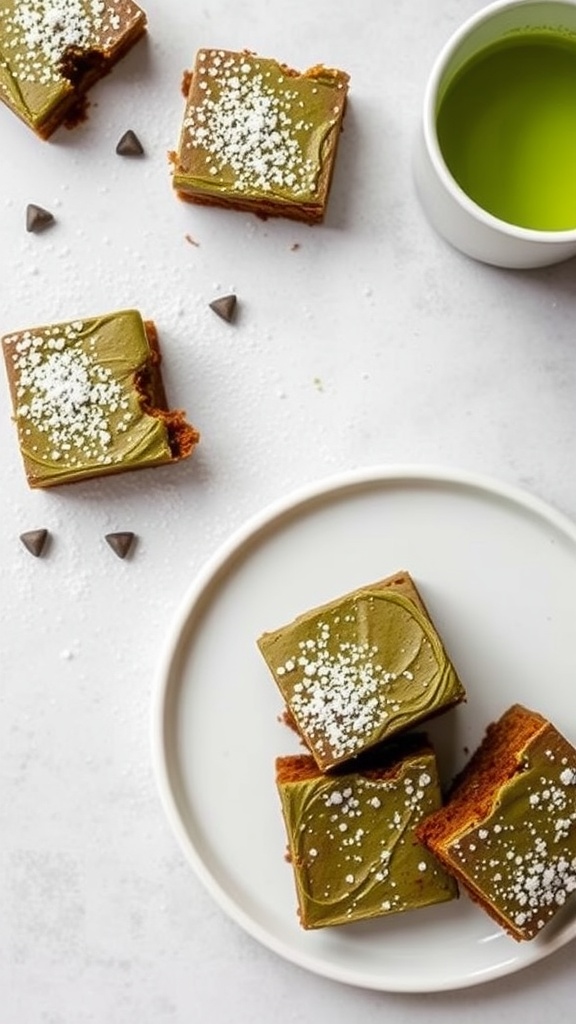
[506,127]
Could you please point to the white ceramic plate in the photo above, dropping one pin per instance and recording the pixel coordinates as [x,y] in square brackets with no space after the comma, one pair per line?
[497,569]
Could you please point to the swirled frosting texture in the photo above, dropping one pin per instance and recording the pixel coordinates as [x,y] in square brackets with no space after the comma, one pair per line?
[359,671]
[37,35]
[255,132]
[352,844]
[77,407]
[518,857]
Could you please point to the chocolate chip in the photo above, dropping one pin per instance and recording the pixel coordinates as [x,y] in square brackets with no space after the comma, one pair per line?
[224,307]
[34,541]
[37,218]
[130,145]
[120,542]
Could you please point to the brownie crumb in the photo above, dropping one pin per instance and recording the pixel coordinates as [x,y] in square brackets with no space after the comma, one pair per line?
[34,541]
[130,145]
[224,307]
[186,83]
[37,218]
[120,543]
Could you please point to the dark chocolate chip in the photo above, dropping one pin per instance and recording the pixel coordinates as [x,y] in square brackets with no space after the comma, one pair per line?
[120,542]
[37,218]
[130,145]
[224,307]
[34,541]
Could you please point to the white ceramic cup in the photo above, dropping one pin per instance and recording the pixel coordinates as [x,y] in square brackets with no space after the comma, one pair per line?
[453,214]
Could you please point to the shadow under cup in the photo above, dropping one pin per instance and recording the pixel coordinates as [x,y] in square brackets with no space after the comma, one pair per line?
[495,164]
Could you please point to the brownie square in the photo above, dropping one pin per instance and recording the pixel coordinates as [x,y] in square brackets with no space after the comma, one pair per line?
[507,831]
[361,669]
[52,51]
[351,839]
[88,399]
[259,136]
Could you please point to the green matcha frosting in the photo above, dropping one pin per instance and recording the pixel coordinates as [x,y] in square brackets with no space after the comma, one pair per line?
[35,38]
[253,131]
[360,670]
[77,409]
[521,857]
[352,846]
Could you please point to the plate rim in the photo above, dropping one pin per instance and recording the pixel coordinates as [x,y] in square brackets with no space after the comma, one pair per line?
[294,502]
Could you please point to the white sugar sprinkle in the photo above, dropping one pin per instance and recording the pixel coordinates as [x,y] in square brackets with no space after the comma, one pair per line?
[247,128]
[65,394]
[528,866]
[38,33]
[340,696]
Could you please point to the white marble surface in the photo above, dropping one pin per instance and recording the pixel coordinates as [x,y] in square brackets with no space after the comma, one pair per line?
[373,342]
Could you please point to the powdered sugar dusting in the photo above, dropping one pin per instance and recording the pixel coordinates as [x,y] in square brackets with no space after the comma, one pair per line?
[338,694]
[526,858]
[65,394]
[353,844]
[252,122]
[358,671]
[38,33]
[50,27]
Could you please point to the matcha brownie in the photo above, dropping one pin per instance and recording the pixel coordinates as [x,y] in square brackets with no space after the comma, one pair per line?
[361,669]
[88,399]
[52,51]
[508,829]
[351,838]
[259,136]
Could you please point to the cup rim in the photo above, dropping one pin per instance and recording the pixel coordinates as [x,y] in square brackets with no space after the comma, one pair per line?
[433,146]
